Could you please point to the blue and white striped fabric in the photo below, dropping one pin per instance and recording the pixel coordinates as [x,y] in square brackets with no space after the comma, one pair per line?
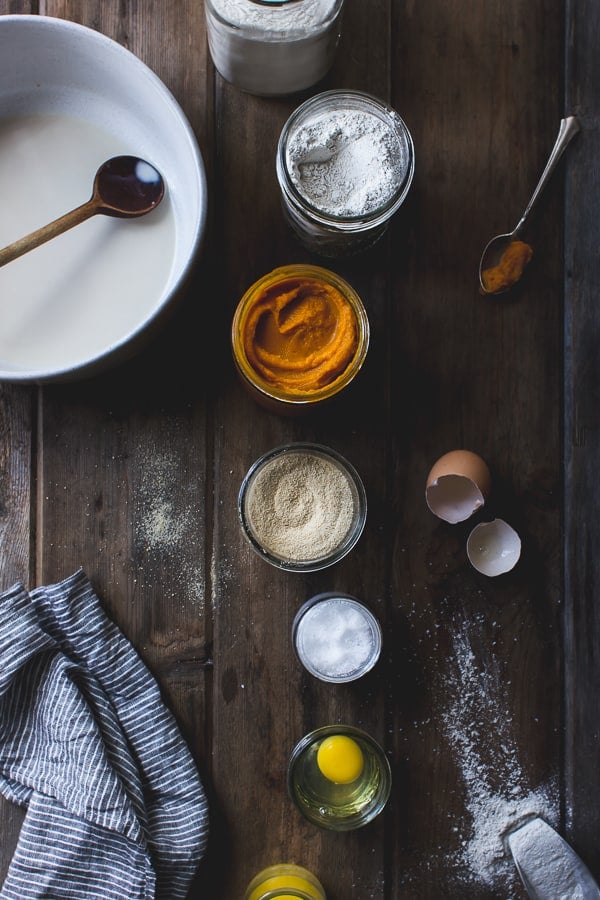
[115,806]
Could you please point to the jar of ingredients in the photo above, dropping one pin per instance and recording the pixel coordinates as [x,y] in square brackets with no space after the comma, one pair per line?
[302,507]
[299,337]
[339,777]
[336,637]
[285,881]
[273,47]
[345,162]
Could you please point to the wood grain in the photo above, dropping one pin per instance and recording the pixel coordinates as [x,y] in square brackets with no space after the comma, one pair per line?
[486,689]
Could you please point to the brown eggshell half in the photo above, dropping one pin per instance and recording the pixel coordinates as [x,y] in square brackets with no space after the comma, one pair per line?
[458,485]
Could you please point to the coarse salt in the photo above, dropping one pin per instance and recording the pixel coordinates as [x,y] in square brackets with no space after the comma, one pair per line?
[336,637]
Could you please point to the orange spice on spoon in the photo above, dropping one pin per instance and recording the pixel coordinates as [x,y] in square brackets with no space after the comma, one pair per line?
[509,269]
[501,276]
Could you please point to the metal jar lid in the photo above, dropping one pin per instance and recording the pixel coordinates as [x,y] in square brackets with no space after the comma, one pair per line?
[336,637]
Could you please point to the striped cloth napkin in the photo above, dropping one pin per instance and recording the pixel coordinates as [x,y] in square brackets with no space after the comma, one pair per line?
[115,806]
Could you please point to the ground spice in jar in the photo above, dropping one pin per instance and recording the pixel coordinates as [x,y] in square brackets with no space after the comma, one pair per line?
[300,506]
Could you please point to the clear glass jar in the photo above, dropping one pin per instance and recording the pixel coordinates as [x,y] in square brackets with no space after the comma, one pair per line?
[302,507]
[339,777]
[330,321]
[345,162]
[273,47]
[284,881]
[336,637]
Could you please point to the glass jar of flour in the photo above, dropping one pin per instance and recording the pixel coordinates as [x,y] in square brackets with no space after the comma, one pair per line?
[273,47]
[345,162]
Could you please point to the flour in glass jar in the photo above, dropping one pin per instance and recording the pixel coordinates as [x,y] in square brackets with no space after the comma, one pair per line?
[346,163]
[273,48]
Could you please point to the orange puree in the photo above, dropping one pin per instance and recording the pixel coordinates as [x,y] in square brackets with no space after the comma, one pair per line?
[300,334]
[509,269]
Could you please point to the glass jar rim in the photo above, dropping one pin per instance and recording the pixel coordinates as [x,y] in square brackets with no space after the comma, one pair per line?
[277,893]
[269,28]
[369,617]
[287,870]
[355,531]
[328,391]
[360,735]
[345,223]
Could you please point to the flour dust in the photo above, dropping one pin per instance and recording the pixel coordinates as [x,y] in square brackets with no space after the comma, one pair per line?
[478,726]
[167,536]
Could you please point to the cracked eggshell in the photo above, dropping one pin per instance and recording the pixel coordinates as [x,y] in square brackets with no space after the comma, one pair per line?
[493,548]
[458,485]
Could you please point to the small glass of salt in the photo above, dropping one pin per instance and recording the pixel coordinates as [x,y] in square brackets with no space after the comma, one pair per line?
[336,637]
[345,162]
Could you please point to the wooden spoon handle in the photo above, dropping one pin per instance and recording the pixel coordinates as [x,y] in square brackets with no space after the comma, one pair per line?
[47,232]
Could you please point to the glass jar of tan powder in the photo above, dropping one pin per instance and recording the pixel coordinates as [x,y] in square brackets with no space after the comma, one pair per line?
[302,507]
[300,336]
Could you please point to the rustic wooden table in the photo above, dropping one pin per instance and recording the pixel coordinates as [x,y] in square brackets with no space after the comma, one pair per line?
[486,694]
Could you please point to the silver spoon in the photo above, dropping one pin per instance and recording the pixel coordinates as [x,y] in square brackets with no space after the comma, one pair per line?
[124,187]
[496,247]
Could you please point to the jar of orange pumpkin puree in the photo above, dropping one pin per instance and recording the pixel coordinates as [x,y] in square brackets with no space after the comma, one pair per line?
[299,336]
[285,882]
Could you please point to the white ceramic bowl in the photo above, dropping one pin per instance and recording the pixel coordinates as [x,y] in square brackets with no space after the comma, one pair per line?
[70,97]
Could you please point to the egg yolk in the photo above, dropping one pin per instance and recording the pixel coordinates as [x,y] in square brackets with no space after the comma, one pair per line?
[340,759]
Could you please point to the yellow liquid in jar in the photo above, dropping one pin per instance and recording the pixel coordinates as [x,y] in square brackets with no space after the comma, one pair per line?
[285,878]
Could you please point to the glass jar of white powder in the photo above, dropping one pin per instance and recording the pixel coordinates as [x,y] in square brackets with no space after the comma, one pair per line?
[273,47]
[336,637]
[345,162]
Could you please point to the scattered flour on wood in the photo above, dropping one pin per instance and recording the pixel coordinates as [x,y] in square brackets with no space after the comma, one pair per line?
[478,726]
[168,534]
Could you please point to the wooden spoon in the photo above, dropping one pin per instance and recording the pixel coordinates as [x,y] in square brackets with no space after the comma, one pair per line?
[124,187]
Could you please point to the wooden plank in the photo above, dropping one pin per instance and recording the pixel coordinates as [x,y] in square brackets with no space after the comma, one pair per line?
[17,533]
[264,702]
[582,442]
[473,731]
[134,474]
[123,462]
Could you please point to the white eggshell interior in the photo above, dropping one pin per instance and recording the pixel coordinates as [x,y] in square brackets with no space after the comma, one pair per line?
[453,498]
[493,548]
